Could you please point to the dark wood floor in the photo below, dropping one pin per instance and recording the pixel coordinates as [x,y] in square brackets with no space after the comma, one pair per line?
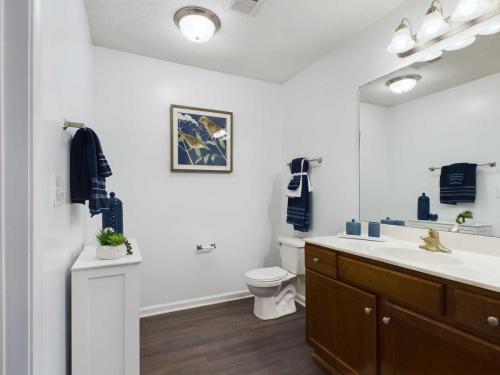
[225,339]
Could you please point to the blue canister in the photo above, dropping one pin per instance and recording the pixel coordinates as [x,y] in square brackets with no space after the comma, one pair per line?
[373,229]
[113,218]
[353,228]
[424,207]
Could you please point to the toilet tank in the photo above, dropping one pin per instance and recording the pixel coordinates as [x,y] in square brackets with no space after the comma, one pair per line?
[292,254]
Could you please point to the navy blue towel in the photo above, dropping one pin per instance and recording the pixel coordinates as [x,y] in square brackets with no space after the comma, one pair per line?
[458,183]
[298,211]
[88,171]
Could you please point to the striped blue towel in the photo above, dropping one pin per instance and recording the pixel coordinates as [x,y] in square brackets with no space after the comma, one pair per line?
[298,211]
[98,171]
[458,183]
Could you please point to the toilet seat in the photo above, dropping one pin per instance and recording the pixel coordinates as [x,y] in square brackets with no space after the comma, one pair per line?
[268,276]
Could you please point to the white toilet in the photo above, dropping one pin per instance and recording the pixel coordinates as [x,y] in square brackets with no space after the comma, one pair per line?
[271,299]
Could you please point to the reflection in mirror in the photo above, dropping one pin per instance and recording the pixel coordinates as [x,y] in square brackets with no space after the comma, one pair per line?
[423,130]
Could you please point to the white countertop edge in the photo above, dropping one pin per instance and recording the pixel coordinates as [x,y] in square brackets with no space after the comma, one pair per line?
[88,259]
[322,241]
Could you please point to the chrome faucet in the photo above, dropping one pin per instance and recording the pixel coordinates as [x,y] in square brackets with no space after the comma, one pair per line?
[432,242]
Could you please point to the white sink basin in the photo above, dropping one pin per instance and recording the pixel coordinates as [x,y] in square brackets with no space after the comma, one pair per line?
[417,255]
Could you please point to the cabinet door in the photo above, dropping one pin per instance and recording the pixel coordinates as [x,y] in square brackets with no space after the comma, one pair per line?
[414,344]
[341,324]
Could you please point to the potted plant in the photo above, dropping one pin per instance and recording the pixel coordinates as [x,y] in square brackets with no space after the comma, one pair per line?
[112,245]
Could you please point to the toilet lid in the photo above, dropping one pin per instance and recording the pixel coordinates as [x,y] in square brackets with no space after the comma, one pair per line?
[267,274]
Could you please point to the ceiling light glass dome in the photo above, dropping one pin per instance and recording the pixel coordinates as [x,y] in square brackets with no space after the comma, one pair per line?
[403,84]
[197,24]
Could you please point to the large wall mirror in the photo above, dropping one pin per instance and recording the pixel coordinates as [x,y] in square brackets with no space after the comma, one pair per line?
[424,129]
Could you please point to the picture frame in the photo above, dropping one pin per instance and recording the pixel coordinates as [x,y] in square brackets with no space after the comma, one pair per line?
[201,140]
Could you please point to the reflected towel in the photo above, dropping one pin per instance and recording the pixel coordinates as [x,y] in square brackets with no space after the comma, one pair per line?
[458,183]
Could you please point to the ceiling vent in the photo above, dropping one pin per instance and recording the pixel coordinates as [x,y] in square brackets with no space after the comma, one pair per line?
[248,7]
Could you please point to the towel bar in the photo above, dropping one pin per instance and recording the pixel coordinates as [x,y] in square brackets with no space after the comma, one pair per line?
[319,160]
[70,124]
[493,164]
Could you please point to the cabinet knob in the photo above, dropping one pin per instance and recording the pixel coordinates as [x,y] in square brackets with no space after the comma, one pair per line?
[368,310]
[386,320]
[492,321]
[316,259]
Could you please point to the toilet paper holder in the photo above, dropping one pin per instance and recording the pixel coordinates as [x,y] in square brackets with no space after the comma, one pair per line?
[200,249]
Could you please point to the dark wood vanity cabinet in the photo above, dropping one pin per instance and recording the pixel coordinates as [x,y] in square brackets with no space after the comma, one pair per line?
[342,324]
[367,317]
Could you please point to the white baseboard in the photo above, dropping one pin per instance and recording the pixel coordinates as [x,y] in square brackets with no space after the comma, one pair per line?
[300,299]
[193,303]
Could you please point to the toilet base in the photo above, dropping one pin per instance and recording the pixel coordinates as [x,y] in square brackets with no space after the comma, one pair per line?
[274,307]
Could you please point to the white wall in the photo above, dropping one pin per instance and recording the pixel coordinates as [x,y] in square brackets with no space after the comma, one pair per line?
[169,213]
[15,210]
[455,125]
[62,90]
[375,171]
[322,115]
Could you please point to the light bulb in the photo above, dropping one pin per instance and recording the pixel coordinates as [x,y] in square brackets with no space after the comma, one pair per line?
[490,30]
[402,39]
[403,84]
[434,23]
[461,44]
[431,56]
[470,9]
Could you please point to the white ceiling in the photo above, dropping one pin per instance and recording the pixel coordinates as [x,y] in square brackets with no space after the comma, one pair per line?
[278,42]
[453,69]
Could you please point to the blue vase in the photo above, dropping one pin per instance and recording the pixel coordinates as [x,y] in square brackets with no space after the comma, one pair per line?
[424,207]
[113,218]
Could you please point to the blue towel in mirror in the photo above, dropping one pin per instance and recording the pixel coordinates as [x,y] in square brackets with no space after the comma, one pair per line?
[458,183]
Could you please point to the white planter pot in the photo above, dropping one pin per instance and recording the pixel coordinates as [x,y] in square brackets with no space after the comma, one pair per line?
[111,252]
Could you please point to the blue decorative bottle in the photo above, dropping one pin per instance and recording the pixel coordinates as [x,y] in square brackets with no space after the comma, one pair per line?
[424,207]
[113,218]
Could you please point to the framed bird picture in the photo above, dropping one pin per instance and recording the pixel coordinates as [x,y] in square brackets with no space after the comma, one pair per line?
[201,140]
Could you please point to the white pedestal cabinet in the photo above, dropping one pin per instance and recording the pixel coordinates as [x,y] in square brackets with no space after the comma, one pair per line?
[105,314]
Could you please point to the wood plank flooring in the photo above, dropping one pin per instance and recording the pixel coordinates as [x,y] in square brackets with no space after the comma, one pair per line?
[225,339]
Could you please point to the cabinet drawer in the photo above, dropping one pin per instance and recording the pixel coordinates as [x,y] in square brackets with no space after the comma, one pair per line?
[477,312]
[322,261]
[408,290]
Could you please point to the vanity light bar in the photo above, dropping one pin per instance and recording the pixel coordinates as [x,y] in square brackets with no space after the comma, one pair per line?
[493,164]
[456,28]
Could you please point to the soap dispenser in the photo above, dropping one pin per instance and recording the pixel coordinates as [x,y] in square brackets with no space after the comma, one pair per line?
[424,207]
[353,228]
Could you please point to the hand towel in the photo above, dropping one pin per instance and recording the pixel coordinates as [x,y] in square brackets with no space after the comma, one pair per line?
[298,211]
[88,171]
[294,189]
[458,183]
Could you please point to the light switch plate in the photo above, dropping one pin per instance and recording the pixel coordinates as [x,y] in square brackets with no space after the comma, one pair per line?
[58,189]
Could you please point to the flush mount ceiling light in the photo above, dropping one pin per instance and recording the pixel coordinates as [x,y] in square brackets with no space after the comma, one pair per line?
[197,24]
[403,84]
[461,44]
[434,23]
[403,39]
[470,9]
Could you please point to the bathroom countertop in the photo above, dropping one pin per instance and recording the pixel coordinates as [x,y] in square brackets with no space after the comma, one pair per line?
[88,259]
[468,267]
